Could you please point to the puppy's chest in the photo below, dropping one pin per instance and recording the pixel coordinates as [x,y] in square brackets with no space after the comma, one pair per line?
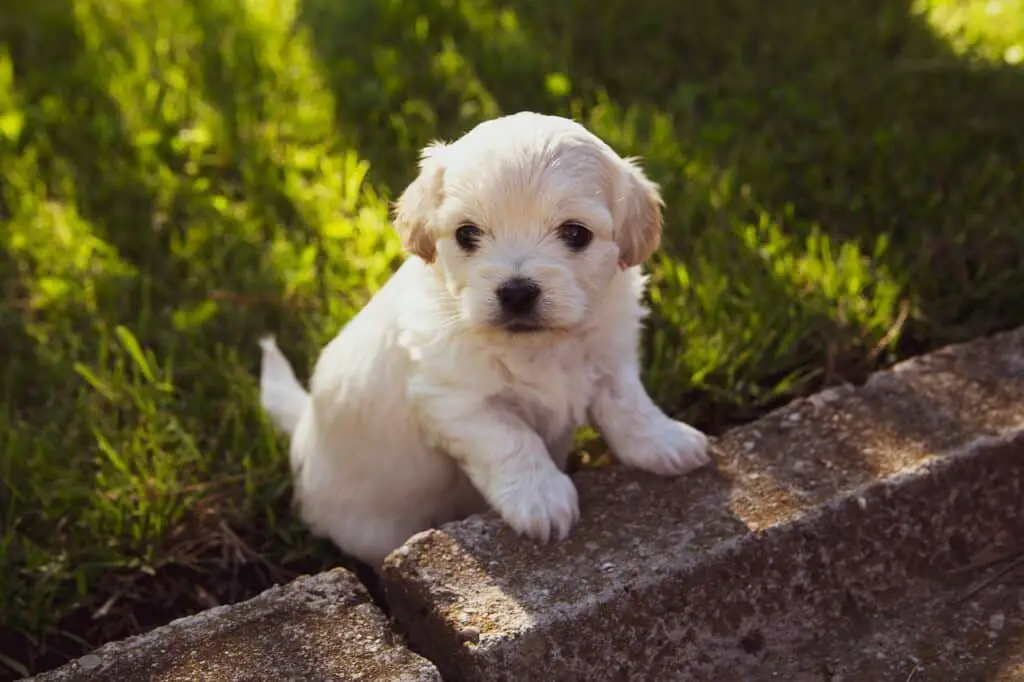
[550,389]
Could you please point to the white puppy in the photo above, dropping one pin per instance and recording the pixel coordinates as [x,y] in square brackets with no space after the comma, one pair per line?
[516,319]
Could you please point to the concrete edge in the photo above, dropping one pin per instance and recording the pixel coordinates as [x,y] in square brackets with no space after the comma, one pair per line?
[853,584]
[252,639]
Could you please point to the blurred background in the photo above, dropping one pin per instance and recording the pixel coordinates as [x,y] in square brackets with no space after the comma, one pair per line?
[844,187]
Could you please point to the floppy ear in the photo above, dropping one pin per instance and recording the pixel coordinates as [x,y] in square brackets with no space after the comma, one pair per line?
[413,210]
[639,224]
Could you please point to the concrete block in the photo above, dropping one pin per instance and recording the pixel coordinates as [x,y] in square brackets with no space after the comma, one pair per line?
[818,521]
[316,628]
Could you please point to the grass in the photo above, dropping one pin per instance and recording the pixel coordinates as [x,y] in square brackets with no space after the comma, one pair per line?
[844,187]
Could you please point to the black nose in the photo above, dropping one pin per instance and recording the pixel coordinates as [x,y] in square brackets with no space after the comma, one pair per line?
[518,296]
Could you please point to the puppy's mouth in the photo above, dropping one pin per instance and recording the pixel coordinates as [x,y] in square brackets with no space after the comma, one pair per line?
[522,327]
[520,324]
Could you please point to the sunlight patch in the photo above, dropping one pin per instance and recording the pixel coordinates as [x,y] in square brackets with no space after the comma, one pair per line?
[992,30]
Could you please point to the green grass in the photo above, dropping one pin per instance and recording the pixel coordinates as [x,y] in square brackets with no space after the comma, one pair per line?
[844,186]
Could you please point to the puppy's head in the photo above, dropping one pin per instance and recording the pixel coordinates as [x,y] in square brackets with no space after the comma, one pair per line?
[528,218]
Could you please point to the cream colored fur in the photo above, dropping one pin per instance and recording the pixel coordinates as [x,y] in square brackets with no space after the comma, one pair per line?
[426,407]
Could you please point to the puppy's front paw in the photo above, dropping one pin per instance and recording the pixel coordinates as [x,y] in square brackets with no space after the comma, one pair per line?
[669,448]
[543,508]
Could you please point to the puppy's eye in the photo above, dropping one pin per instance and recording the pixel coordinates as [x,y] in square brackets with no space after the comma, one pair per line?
[468,237]
[575,236]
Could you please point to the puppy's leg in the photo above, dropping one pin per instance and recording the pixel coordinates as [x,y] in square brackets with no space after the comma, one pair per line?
[639,433]
[505,460]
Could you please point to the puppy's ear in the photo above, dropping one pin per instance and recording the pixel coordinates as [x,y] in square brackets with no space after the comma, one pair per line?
[415,206]
[639,224]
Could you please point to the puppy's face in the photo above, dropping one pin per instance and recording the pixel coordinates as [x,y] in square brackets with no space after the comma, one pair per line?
[528,218]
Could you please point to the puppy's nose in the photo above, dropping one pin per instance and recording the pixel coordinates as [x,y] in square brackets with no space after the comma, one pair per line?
[518,295]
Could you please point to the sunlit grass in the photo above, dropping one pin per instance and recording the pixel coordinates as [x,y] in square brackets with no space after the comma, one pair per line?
[181,177]
[991,30]
[174,186]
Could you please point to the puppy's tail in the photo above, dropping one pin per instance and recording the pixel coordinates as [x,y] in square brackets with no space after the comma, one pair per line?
[281,394]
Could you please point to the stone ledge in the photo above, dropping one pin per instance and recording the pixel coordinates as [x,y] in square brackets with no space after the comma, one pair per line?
[316,628]
[818,518]
[957,634]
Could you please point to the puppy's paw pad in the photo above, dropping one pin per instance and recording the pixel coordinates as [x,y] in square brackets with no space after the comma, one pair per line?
[545,509]
[671,449]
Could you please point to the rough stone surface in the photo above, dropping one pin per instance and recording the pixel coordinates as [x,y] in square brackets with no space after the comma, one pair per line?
[323,627]
[827,516]
[943,638]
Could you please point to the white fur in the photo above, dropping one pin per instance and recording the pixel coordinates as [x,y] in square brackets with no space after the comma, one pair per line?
[425,409]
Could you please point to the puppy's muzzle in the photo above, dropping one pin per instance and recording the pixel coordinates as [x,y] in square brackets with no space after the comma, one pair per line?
[518,298]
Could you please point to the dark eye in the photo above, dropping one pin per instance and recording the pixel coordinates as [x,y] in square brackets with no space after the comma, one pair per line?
[575,236]
[468,237]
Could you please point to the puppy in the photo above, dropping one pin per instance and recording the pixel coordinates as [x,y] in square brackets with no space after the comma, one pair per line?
[515,319]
